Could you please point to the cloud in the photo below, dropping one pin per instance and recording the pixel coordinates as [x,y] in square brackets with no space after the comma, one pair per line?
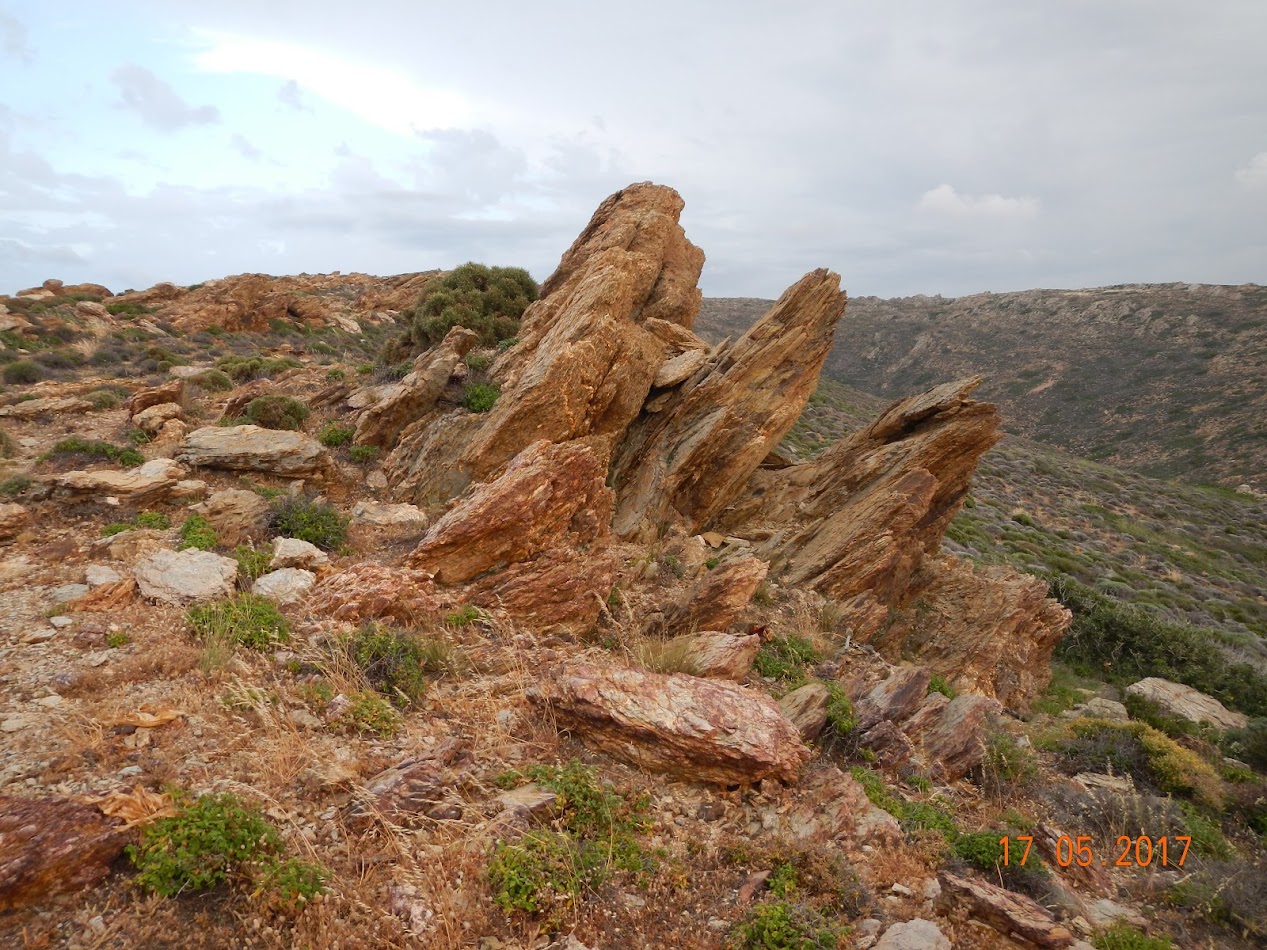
[13,40]
[1254,175]
[945,200]
[289,93]
[245,148]
[157,103]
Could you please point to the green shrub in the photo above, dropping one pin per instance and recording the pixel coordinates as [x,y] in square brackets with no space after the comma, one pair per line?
[464,616]
[101,399]
[841,720]
[23,373]
[127,309]
[478,361]
[252,562]
[480,397]
[913,816]
[782,925]
[1249,744]
[294,882]
[1126,643]
[362,453]
[277,412]
[197,532]
[76,445]
[202,845]
[213,381]
[370,713]
[938,684]
[394,662]
[137,436]
[317,523]
[487,300]
[152,519]
[785,658]
[115,527]
[1007,766]
[252,621]
[1125,937]
[15,486]
[333,435]
[982,849]
[244,368]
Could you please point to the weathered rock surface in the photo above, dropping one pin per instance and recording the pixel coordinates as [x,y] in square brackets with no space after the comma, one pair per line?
[684,464]
[167,394]
[1006,911]
[917,934]
[292,552]
[253,449]
[181,577]
[561,591]
[153,419]
[1187,703]
[53,845]
[149,482]
[585,361]
[710,653]
[13,520]
[415,395]
[699,729]
[720,597]
[827,805]
[371,591]
[48,405]
[420,788]
[377,513]
[235,514]
[806,708]
[289,585]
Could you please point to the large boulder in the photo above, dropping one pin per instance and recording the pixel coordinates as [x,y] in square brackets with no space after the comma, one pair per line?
[370,591]
[253,449]
[586,359]
[1187,703]
[150,482]
[181,577]
[697,729]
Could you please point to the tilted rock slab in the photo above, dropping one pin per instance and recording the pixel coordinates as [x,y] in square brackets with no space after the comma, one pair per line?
[697,729]
[382,423]
[151,481]
[726,656]
[684,464]
[1187,703]
[1006,911]
[585,360]
[253,449]
[720,597]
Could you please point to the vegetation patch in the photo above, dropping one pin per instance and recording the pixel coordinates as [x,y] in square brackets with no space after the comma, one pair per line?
[784,925]
[395,662]
[94,449]
[247,619]
[23,373]
[277,412]
[316,522]
[487,300]
[785,658]
[480,397]
[242,369]
[197,532]
[332,434]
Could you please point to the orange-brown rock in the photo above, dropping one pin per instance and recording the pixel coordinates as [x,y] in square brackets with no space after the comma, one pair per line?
[403,404]
[726,656]
[561,591]
[697,729]
[236,515]
[684,464]
[395,293]
[950,734]
[720,597]
[13,519]
[52,845]
[585,360]
[551,497]
[172,391]
[420,788]
[1006,911]
[806,708]
[370,591]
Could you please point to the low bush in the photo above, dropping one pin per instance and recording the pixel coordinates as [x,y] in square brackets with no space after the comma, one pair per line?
[317,523]
[252,562]
[1249,744]
[370,713]
[246,619]
[23,373]
[241,369]
[8,445]
[333,434]
[394,662]
[197,532]
[93,448]
[784,925]
[785,658]
[16,486]
[1125,937]
[362,453]
[487,300]
[480,397]
[1007,766]
[277,412]
[213,381]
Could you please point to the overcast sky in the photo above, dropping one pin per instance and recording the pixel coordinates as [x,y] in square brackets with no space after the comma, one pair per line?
[915,147]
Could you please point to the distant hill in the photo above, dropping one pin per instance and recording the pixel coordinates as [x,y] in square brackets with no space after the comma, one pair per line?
[1166,379]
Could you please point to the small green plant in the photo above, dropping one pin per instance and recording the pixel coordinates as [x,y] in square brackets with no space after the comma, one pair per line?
[362,453]
[913,816]
[76,445]
[1248,744]
[1007,766]
[840,715]
[316,522]
[782,925]
[394,662]
[8,445]
[333,434]
[152,519]
[783,880]
[247,619]
[23,373]
[370,713]
[202,845]
[137,436]
[196,532]
[478,361]
[982,849]
[252,562]
[213,381]
[115,527]
[277,412]
[785,658]
[116,639]
[763,596]
[938,684]
[294,882]
[465,616]
[480,397]
[1125,937]
[335,375]
[712,563]
[15,486]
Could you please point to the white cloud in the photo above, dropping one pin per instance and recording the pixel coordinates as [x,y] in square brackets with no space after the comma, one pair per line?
[944,199]
[156,102]
[291,95]
[13,39]
[1254,175]
[385,97]
[244,147]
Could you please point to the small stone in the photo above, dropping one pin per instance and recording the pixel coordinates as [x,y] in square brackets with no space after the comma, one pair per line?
[292,552]
[61,623]
[14,724]
[39,636]
[376,479]
[97,659]
[68,592]
[917,934]
[50,700]
[931,889]
[903,890]
[868,927]
[131,770]
[97,924]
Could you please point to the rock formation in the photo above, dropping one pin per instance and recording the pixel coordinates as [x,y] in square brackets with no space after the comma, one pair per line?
[253,449]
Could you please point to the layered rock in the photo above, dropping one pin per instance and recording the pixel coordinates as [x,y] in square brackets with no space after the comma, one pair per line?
[698,729]
[13,520]
[236,515]
[149,482]
[1006,911]
[371,591]
[684,464]
[253,449]
[717,601]
[710,653]
[586,359]
[1187,703]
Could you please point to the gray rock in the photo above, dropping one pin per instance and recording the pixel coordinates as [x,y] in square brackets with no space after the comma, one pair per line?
[99,575]
[154,480]
[68,592]
[373,512]
[181,577]
[1187,703]
[14,724]
[917,934]
[253,449]
[61,623]
[287,586]
[1105,913]
[292,552]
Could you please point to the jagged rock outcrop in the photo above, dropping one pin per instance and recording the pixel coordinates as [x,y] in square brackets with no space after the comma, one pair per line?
[684,464]
[699,729]
[415,395]
[1006,911]
[169,392]
[806,708]
[586,358]
[1187,703]
[13,519]
[253,449]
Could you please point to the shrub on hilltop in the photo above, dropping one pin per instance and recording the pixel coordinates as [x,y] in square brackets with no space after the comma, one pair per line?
[487,300]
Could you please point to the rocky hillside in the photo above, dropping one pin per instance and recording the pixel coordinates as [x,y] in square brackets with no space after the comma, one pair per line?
[1164,379]
[596,638]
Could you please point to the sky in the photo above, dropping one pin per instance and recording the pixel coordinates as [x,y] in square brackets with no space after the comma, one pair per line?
[926,147]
